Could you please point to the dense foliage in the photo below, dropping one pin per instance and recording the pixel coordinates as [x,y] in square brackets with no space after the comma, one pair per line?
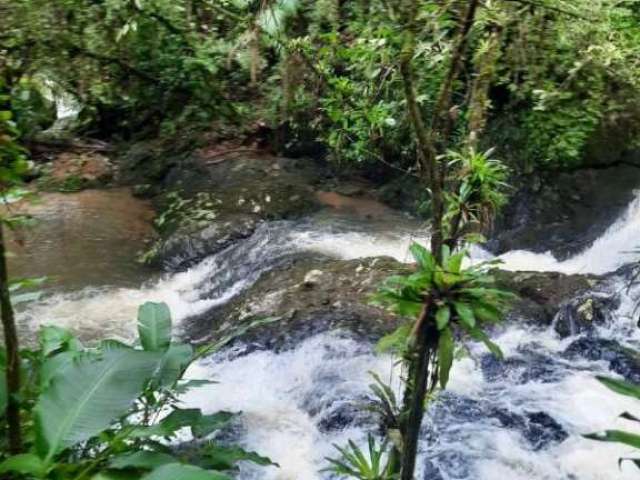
[112,411]
[552,76]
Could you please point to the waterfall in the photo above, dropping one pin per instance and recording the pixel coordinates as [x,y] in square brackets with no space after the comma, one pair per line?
[517,419]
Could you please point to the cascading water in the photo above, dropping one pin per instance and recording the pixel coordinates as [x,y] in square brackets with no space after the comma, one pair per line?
[517,419]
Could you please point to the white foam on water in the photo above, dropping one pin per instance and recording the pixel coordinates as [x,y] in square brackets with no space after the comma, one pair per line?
[112,312]
[609,252]
[284,396]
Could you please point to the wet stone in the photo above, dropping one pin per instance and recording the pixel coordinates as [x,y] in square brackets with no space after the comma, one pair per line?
[621,360]
[584,313]
[529,367]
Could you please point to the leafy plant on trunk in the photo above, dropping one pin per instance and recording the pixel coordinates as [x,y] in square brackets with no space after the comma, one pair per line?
[619,436]
[112,411]
[442,298]
[12,165]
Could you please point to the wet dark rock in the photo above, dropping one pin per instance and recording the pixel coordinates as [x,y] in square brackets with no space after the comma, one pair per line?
[564,212]
[530,366]
[451,463]
[541,294]
[537,428]
[431,471]
[185,248]
[622,360]
[313,293]
[542,430]
[337,300]
[583,313]
[345,414]
[222,203]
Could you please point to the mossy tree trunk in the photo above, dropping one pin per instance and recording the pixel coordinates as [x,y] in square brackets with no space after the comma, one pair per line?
[13,354]
[421,357]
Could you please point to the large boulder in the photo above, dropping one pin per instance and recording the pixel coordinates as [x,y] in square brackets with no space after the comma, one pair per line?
[541,294]
[564,212]
[310,294]
[206,208]
[313,293]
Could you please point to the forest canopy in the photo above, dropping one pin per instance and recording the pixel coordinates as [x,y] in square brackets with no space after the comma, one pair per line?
[555,77]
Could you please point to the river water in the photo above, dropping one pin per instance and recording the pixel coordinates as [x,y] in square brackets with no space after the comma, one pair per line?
[520,419]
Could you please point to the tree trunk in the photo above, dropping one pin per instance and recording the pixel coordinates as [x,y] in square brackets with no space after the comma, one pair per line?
[422,356]
[420,381]
[254,50]
[13,354]
[479,102]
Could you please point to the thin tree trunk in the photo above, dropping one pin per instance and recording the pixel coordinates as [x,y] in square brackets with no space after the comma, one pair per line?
[422,354]
[254,49]
[479,102]
[422,366]
[13,354]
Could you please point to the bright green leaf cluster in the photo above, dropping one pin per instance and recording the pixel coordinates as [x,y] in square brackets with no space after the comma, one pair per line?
[457,299]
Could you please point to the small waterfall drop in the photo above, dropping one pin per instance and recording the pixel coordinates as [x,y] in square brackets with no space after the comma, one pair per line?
[519,419]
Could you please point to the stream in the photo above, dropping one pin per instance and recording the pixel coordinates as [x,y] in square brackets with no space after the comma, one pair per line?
[518,419]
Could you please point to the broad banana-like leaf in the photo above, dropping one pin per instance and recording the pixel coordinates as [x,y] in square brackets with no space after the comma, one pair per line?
[175,471]
[91,394]
[143,459]
[24,464]
[154,326]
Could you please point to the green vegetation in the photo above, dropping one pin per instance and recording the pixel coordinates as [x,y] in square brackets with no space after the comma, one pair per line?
[112,411]
[458,95]
[618,436]
[554,74]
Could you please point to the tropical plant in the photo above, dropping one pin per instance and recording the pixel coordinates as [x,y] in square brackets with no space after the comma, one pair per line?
[354,463]
[619,436]
[455,301]
[481,184]
[111,411]
[13,164]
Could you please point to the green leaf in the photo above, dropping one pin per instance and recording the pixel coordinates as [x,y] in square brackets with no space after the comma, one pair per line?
[225,458]
[116,475]
[25,464]
[454,264]
[616,436]
[423,257]
[486,313]
[210,423]
[174,362]
[92,394]
[186,385]
[201,425]
[154,326]
[479,335]
[56,365]
[175,471]
[620,386]
[445,356]
[395,341]
[143,459]
[465,314]
[442,316]
[52,338]
[177,419]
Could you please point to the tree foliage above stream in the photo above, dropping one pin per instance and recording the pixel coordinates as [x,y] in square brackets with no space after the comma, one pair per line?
[563,73]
